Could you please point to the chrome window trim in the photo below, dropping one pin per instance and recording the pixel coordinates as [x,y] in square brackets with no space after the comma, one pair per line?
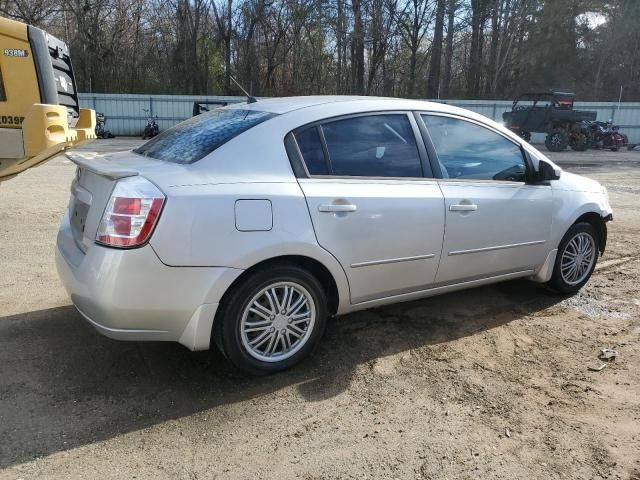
[481,183]
[382,180]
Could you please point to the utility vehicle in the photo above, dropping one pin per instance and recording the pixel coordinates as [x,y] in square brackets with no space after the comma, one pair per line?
[551,113]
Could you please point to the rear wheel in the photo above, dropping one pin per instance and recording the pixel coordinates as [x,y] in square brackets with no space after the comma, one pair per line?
[576,258]
[579,142]
[557,140]
[273,320]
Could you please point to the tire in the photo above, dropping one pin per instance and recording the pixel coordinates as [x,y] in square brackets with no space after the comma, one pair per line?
[557,140]
[573,280]
[580,142]
[525,135]
[238,328]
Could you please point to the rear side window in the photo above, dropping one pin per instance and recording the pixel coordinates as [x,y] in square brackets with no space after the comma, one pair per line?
[191,140]
[380,145]
[373,146]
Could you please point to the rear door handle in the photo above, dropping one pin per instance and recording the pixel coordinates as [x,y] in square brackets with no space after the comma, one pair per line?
[465,207]
[337,208]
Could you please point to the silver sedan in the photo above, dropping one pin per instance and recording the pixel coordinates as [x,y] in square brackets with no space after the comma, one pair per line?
[248,226]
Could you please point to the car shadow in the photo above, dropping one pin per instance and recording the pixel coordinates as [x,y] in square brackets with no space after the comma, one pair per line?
[63,385]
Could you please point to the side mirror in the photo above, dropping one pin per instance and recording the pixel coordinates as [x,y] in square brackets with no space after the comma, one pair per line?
[546,172]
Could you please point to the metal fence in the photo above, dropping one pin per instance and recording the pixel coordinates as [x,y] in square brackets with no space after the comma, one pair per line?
[127,114]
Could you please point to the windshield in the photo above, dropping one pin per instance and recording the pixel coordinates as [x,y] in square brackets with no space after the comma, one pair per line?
[191,140]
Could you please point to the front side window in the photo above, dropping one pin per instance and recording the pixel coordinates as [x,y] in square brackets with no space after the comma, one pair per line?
[365,146]
[191,140]
[469,151]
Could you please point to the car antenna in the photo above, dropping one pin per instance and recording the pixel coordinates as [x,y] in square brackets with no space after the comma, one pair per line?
[250,98]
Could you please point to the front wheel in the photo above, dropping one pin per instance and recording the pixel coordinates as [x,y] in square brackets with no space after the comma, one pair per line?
[272,320]
[557,140]
[576,258]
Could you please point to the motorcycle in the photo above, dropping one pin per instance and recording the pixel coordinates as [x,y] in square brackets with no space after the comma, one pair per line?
[606,135]
[101,130]
[151,129]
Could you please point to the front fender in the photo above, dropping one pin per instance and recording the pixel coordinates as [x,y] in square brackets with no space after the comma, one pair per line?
[569,206]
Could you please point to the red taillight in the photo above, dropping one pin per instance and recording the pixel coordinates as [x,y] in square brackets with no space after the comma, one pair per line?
[131,214]
[127,206]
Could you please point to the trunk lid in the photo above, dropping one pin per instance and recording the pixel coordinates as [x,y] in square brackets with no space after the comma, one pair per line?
[95,179]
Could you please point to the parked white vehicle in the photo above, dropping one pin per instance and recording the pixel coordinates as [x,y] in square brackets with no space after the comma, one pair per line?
[249,225]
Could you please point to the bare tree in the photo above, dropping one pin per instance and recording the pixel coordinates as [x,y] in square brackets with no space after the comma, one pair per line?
[478,18]
[223,19]
[433,78]
[451,16]
[413,27]
[472,48]
[357,48]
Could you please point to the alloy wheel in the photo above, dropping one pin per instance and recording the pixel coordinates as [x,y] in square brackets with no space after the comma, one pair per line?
[277,321]
[578,258]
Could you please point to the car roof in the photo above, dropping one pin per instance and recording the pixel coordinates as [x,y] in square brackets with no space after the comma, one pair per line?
[282,105]
[293,113]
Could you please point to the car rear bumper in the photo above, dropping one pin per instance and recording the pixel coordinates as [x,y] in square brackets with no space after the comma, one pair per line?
[132,295]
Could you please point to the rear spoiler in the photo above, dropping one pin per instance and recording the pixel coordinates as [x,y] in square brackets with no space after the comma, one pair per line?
[100,165]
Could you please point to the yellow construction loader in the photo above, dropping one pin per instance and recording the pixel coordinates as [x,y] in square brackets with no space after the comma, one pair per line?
[40,115]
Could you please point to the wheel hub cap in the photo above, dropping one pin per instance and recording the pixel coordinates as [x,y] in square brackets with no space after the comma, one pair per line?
[578,258]
[277,321]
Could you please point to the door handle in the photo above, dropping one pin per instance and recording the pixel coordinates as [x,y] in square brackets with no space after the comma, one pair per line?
[465,207]
[337,208]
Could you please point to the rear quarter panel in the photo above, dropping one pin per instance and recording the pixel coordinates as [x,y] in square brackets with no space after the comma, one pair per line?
[198,228]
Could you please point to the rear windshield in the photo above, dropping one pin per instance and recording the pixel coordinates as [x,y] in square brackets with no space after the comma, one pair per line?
[189,141]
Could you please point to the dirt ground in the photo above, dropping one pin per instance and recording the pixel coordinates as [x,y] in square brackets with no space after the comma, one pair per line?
[486,383]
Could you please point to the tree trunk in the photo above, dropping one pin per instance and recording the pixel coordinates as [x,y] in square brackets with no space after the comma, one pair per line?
[227,50]
[433,78]
[358,48]
[412,71]
[340,31]
[493,51]
[475,53]
[446,78]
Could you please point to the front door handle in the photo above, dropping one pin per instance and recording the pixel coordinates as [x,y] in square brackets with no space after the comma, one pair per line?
[337,208]
[464,207]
